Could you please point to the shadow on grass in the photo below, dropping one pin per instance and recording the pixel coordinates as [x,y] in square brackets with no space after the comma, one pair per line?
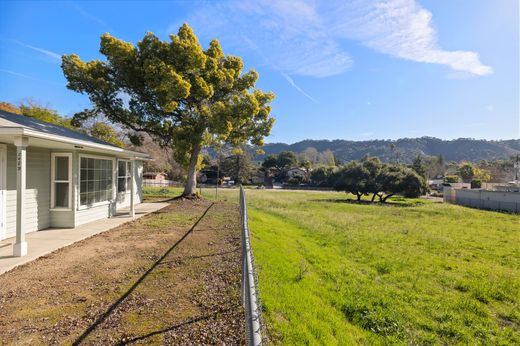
[398,202]
[177,326]
[114,305]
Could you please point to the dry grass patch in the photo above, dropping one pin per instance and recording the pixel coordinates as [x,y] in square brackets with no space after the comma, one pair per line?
[88,290]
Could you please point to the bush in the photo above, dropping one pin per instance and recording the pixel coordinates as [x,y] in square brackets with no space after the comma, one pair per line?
[476,184]
[296,179]
[451,179]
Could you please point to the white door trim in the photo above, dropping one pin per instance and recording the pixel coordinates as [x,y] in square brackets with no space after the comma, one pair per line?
[3,189]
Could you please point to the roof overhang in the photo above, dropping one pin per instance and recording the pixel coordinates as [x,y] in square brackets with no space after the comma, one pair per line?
[42,139]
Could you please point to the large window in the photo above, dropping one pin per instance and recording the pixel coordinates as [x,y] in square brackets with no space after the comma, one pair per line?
[61,171]
[95,180]
[124,177]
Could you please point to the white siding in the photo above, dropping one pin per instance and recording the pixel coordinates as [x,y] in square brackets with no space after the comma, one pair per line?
[37,203]
[37,194]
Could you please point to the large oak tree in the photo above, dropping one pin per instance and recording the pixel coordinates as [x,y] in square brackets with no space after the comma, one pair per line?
[183,96]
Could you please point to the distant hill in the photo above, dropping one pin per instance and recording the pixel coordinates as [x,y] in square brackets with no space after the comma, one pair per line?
[407,148]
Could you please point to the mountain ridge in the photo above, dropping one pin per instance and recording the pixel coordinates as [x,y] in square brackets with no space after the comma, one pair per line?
[406,149]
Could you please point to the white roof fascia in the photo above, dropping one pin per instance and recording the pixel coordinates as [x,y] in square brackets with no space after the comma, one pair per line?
[22,131]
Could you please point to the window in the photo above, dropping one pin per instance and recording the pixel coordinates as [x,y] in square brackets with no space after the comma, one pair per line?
[61,168]
[95,182]
[124,176]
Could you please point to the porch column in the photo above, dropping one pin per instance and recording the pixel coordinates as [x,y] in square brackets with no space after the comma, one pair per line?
[132,188]
[20,246]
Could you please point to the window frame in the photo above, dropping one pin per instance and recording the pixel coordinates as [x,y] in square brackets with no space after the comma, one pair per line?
[97,204]
[54,181]
[127,176]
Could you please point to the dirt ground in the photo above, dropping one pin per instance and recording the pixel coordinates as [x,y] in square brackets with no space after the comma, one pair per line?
[151,281]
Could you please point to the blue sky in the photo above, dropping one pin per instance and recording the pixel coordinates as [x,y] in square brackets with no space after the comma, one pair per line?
[359,69]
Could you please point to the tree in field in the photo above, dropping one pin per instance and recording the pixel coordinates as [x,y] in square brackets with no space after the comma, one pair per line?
[351,179]
[183,96]
[321,176]
[370,176]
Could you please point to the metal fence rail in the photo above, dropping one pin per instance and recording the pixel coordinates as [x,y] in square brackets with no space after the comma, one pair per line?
[249,292]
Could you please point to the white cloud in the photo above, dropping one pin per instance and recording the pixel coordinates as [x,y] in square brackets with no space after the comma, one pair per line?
[87,15]
[305,37]
[14,73]
[288,36]
[291,82]
[400,28]
[50,54]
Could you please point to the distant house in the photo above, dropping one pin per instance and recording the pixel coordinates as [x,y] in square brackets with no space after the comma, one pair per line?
[291,172]
[156,176]
[52,176]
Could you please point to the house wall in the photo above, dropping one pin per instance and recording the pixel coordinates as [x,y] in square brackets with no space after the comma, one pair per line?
[38,213]
[85,215]
[37,194]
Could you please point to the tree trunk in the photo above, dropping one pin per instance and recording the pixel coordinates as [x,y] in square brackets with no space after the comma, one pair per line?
[374,197]
[387,196]
[359,196]
[190,188]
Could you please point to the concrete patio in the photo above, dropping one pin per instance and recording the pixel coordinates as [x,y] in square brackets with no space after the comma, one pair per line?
[46,241]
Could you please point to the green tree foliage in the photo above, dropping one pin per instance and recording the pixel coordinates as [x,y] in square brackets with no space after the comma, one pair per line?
[106,133]
[466,172]
[296,179]
[321,176]
[9,107]
[352,178]
[238,166]
[419,166]
[287,159]
[451,179]
[182,95]
[33,110]
[277,165]
[370,176]
[476,184]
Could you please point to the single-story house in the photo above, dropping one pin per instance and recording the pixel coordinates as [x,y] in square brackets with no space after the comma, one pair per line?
[52,176]
[291,172]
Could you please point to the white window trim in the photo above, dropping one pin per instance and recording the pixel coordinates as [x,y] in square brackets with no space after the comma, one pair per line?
[128,163]
[114,185]
[54,181]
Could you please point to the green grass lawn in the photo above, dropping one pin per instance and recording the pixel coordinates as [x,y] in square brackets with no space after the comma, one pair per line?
[414,272]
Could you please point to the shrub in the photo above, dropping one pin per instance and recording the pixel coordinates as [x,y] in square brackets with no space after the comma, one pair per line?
[451,179]
[476,184]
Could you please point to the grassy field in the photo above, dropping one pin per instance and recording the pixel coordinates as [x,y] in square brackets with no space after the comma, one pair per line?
[414,272]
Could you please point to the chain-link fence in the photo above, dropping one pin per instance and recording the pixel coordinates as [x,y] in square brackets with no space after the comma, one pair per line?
[255,332]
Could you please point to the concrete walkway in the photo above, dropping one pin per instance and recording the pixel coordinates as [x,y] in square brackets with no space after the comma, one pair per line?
[48,240]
